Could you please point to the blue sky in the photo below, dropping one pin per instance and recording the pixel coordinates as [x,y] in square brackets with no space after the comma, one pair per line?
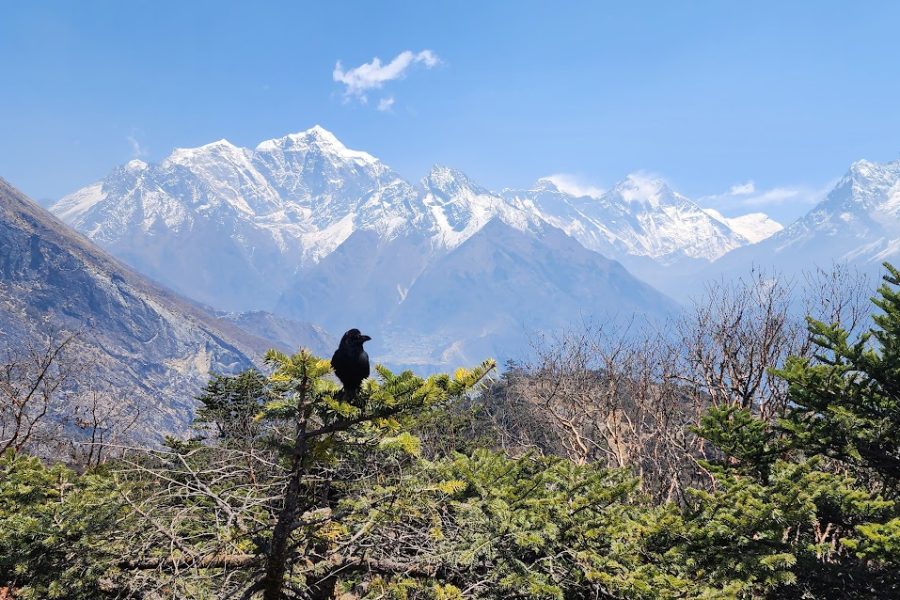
[754,105]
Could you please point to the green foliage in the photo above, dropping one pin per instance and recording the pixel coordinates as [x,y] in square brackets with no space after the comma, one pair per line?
[387,494]
[752,533]
[542,527]
[846,406]
[494,523]
[786,509]
[230,404]
[751,444]
[55,529]
[847,401]
[879,541]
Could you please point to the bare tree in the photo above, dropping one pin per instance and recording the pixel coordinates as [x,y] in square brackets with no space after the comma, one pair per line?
[191,512]
[627,400]
[102,423]
[738,331]
[606,396]
[732,337]
[841,294]
[34,380]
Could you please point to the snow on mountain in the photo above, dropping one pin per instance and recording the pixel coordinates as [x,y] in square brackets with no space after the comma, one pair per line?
[331,235]
[230,226]
[328,234]
[858,223]
[459,207]
[665,225]
[640,217]
[284,206]
[754,227]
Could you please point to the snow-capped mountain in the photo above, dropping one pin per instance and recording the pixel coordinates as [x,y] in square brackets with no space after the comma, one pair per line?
[754,227]
[640,217]
[658,234]
[857,223]
[275,210]
[459,207]
[329,234]
[231,226]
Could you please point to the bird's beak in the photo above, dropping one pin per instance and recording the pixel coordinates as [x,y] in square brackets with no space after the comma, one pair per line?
[365,338]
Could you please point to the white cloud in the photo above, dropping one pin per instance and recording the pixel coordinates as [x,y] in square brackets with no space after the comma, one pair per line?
[778,195]
[796,195]
[373,75]
[385,104]
[573,184]
[742,189]
[788,201]
[137,150]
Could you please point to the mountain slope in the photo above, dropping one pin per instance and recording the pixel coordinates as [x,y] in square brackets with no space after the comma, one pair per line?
[282,333]
[233,227]
[483,297]
[149,347]
[503,285]
[858,223]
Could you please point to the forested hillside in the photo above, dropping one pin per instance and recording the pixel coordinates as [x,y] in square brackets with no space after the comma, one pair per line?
[746,454]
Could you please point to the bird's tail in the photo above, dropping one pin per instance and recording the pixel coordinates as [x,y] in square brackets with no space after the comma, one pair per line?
[350,395]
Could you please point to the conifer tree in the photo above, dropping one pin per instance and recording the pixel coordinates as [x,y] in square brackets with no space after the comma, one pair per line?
[846,402]
[814,493]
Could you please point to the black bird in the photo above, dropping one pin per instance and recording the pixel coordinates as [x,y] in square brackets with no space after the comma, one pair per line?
[350,361]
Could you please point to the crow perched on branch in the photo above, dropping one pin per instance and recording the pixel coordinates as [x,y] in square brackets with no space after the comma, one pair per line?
[350,361]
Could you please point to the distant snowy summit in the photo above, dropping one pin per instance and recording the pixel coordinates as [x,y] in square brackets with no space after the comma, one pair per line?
[444,270]
[755,227]
[232,226]
[857,223]
[639,217]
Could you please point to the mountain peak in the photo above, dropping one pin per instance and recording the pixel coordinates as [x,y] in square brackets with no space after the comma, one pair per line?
[218,148]
[315,137]
[641,188]
[447,179]
[135,165]
[317,132]
[868,170]
[754,227]
[863,168]
[546,184]
[443,171]
[643,184]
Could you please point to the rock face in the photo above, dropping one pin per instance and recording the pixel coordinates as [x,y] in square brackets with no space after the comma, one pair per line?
[151,348]
[285,334]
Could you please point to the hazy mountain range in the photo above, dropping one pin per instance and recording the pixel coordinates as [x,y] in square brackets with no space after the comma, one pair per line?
[235,227]
[442,270]
[300,238]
